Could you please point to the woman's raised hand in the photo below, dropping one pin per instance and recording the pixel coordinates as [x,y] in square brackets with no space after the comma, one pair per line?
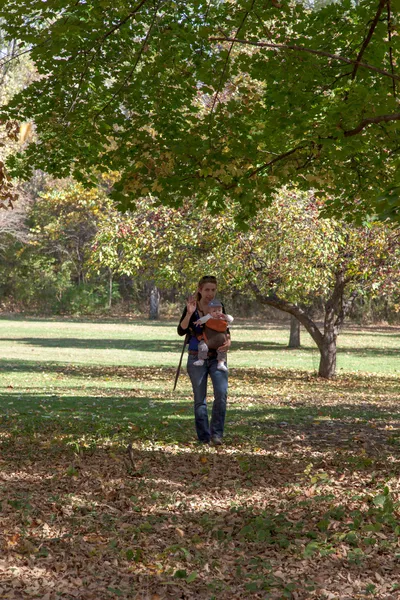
[191,305]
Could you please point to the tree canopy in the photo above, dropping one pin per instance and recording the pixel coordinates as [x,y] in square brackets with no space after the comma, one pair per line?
[214,99]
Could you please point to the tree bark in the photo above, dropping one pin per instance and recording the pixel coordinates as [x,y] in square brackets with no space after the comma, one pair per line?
[327,363]
[294,339]
[154,303]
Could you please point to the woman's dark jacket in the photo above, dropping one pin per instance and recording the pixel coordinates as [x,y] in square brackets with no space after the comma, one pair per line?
[194,331]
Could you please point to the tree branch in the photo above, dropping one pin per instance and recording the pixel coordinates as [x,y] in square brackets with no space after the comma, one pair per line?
[139,56]
[334,314]
[225,67]
[349,133]
[366,122]
[123,21]
[368,38]
[389,22]
[276,159]
[95,52]
[309,50]
[292,309]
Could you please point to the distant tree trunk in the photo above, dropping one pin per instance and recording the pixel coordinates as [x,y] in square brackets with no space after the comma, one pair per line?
[154,303]
[110,287]
[294,339]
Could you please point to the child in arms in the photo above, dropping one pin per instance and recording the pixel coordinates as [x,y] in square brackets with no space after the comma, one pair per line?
[215,325]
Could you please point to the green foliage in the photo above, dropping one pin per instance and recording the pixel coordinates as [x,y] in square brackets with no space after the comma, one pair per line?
[32,279]
[51,271]
[86,298]
[172,246]
[214,100]
[293,251]
[64,223]
[79,241]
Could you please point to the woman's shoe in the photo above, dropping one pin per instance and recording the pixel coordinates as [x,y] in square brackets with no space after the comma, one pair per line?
[216,440]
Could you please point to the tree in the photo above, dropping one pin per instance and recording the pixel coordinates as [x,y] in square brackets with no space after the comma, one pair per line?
[289,256]
[292,255]
[169,246]
[64,223]
[15,73]
[215,99]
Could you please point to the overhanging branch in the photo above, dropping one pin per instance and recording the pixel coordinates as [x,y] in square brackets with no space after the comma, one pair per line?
[370,121]
[292,309]
[274,160]
[123,21]
[297,48]
[215,99]
[368,37]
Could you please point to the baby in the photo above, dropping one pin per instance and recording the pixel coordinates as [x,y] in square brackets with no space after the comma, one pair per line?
[214,334]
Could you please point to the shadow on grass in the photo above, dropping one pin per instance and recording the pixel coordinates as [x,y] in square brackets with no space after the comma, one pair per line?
[164,322]
[122,415]
[156,345]
[147,345]
[162,346]
[90,320]
[368,382]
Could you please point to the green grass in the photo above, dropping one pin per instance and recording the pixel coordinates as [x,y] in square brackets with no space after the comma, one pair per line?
[144,343]
[110,380]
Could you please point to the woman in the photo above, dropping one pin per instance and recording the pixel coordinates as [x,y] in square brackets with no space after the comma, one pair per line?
[197,307]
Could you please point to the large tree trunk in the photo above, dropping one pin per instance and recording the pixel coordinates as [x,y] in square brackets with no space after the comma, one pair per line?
[327,364]
[294,339]
[154,303]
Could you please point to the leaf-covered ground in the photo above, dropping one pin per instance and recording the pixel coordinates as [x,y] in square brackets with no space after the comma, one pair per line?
[301,502]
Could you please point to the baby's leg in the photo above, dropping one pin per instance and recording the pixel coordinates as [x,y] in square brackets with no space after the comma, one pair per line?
[221,358]
[202,354]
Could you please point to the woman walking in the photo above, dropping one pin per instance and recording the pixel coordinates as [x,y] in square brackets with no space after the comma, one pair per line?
[196,308]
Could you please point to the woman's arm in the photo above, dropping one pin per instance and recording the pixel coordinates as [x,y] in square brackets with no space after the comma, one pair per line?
[186,315]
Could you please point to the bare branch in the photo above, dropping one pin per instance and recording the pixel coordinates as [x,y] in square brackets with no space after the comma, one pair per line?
[292,309]
[309,50]
[366,122]
[369,37]
[276,159]
[226,66]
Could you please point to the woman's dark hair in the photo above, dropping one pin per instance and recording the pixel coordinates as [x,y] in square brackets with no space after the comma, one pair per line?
[202,281]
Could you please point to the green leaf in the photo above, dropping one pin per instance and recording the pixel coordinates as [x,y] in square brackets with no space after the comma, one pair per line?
[311,549]
[379,500]
[181,574]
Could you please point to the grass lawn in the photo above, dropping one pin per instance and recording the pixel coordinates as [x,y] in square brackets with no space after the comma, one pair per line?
[141,343]
[301,502]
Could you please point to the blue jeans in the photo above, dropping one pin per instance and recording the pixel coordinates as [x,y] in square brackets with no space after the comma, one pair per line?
[198,377]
